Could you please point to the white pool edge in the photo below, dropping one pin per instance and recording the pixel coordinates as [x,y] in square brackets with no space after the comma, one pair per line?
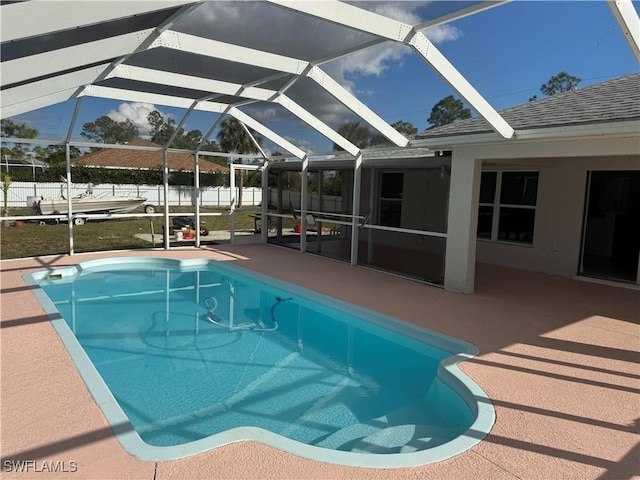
[448,372]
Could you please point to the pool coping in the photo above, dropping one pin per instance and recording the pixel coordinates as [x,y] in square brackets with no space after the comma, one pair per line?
[448,372]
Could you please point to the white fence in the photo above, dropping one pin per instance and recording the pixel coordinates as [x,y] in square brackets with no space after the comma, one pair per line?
[21,193]
[291,199]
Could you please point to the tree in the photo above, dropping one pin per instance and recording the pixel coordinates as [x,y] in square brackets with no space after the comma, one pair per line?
[405,128]
[107,130]
[448,110]
[6,183]
[234,138]
[159,128]
[562,82]
[332,184]
[356,133]
[57,154]
[162,130]
[17,130]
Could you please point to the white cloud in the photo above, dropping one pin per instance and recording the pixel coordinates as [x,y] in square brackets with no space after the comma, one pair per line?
[301,143]
[377,59]
[136,112]
[401,11]
[368,92]
[265,114]
[372,61]
[442,33]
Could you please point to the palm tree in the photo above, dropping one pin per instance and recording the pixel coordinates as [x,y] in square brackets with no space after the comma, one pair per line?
[356,133]
[6,183]
[233,138]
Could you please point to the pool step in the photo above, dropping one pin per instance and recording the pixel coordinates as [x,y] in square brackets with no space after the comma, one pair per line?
[403,439]
[350,437]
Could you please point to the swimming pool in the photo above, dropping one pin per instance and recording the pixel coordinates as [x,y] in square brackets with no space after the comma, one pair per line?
[184,356]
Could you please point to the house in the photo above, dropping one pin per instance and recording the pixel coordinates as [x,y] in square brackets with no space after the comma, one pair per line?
[541,162]
[146,159]
[562,197]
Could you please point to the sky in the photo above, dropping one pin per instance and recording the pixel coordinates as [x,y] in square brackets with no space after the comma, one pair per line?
[506,53]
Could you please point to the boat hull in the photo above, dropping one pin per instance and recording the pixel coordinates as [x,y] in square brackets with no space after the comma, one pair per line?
[53,206]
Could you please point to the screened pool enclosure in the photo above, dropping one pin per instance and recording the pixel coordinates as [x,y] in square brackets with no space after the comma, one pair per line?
[407,206]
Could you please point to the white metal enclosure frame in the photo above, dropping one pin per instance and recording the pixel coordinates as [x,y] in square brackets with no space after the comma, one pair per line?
[49,57]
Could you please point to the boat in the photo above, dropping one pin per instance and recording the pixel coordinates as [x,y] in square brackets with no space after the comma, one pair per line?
[88,202]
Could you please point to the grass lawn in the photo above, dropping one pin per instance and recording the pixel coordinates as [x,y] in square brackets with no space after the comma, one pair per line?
[33,239]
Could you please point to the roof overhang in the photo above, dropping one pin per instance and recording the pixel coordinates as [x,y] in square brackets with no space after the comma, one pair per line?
[373,157]
[611,130]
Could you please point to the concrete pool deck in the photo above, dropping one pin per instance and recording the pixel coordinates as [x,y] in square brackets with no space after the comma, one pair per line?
[559,358]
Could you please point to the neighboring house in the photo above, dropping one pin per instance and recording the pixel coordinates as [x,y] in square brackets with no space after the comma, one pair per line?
[562,197]
[141,159]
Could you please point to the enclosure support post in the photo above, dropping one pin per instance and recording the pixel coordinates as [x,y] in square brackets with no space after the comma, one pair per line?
[264,231]
[355,223]
[303,204]
[165,187]
[373,209]
[321,209]
[232,202]
[196,194]
[69,212]
[280,205]
[67,156]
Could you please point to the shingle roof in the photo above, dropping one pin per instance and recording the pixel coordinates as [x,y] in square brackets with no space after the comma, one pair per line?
[119,158]
[373,153]
[611,101]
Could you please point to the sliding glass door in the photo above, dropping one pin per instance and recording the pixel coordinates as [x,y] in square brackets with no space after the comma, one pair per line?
[611,233]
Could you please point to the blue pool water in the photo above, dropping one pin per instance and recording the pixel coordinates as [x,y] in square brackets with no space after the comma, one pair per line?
[196,354]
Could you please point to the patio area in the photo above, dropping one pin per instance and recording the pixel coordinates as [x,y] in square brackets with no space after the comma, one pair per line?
[559,359]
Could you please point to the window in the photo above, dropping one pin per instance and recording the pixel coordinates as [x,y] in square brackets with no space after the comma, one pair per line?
[508,206]
[391,185]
